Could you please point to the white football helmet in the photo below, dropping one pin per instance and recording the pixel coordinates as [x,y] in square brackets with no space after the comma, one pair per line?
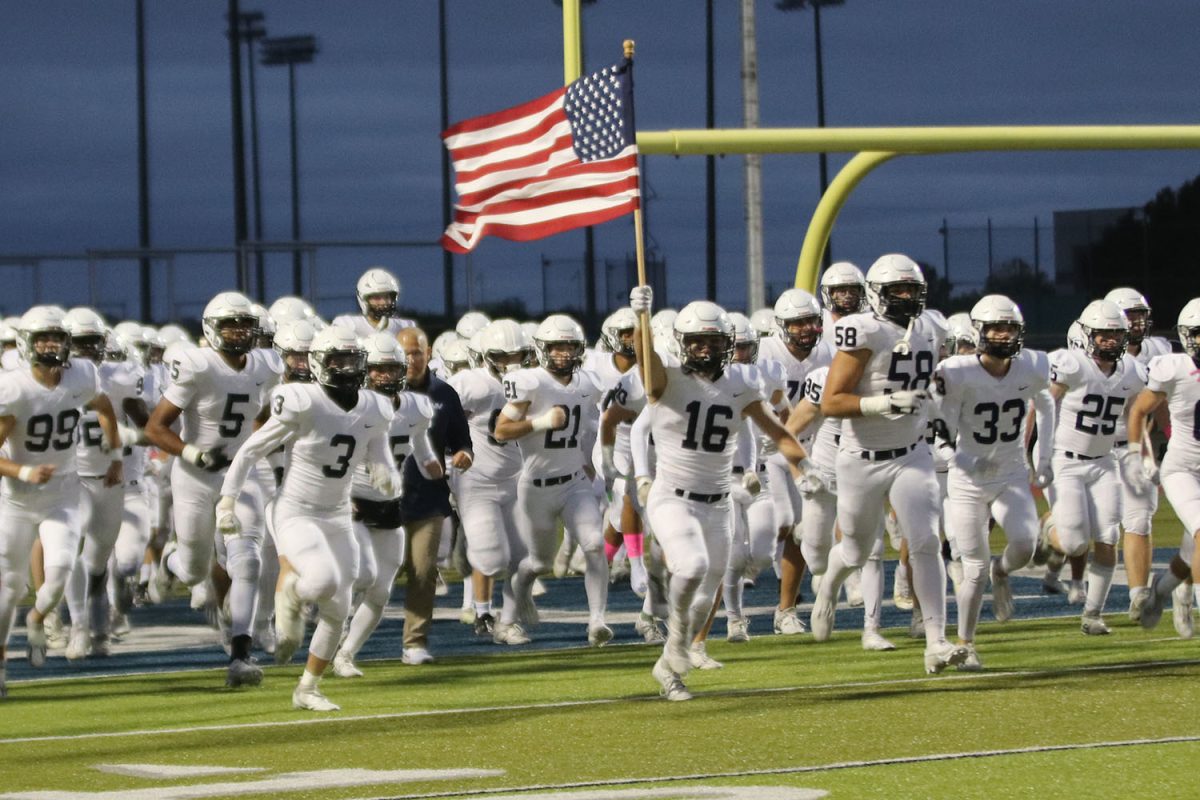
[560,329]
[745,338]
[117,348]
[1188,327]
[500,341]
[993,310]
[439,343]
[264,332]
[960,332]
[663,322]
[475,348]
[230,313]
[286,309]
[1075,338]
[1102,316]
[387,366]
[530,329]
[87,331]
[44,322]
[455,356]
[843,275]
[611,332]
[171,333]
[1136,309]
[293,341]
[378,291]
[695,326]
[886,279]
[763,321]
[796,306]
[471,323]
[336,359]
[8,331]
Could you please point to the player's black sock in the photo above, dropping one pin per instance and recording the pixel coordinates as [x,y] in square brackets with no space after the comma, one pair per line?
[240,648]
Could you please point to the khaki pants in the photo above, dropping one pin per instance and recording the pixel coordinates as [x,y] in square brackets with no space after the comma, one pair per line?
[420,570]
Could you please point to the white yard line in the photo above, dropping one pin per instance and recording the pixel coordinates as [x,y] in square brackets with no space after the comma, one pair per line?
[583,703]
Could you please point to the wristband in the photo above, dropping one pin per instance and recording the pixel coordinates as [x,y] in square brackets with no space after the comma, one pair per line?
[542,422]
[25,473]
[192,454]
[875,406]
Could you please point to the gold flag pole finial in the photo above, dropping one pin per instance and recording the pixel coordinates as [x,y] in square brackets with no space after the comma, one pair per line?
[628,44]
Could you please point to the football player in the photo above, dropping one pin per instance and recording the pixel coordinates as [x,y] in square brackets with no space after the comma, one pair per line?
[219,394]
[41,403]
[328,428]
[984,400]
[377,291]
[697,407]
[487,493]
[1173,380]
[551,409]
[1094,386]
[879,382]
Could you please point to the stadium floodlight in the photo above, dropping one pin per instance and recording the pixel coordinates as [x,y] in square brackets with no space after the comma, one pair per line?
[289,51]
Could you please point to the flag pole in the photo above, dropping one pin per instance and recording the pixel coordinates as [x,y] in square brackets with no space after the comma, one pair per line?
[639,245]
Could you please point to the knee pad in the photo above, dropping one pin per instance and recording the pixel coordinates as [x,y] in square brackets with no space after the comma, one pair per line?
[377,597]
[335,609]
[1139,524]
[692,568]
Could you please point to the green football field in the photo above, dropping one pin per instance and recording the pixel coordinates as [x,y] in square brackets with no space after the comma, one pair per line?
[1055,714]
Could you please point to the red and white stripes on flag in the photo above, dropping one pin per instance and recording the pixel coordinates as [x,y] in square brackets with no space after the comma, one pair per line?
[562,161]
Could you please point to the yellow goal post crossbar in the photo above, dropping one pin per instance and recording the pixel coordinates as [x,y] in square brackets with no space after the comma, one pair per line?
[875,146]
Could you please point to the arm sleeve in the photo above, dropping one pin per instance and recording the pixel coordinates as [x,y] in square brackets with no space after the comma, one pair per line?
[639,443]
[1044,418]
[422,448]
[744,457]
[274,434]
[379,456]
[948,401]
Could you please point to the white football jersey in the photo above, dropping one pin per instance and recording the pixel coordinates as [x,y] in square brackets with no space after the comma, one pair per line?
[120,380]
[362,328]
[408,429]
[887,372]
[10,360]
[790,372]
[1094,404]
[482,397]
[219,402]
[1178,376]
[989,415]
[46,419]
[330,442]
[695,427]
[825,444]
[630,394]
[550,454]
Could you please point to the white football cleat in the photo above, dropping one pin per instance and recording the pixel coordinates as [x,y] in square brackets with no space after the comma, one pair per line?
[100,646]
[672,685]
[853,587]
[1137,601]
[467,616]
[56,634]
[677,650]
[821,620]
[79,644]
[537,588]
[527,611]
[971,663]
[599,634]
[875,641]
[344,667]
[440,587]
[512,634]
[243,673]
[312,700]
[1181,613]
[264,638]
[916,625]
[943,655]
[639,579]
[787,622]
[416,656]
[698,654]
[1092,625]
[737,630]
[650,629]
[1076,593]
[1002,598]
[35,636]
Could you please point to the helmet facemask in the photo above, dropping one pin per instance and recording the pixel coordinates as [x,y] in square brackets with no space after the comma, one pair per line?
[387,378]
[339,369]
[381,304]
[803,333]
[1105,351]
[705,353]
[1006,347]
[48,348]
[901,301]
[561,358]
[1139,324]
[501,362]
[232,335]
[844,298]
[295,366]
[89,346]
[745,352]
[620,341]
[1189,337]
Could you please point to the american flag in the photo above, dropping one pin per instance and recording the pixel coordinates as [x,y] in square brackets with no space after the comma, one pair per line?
[563,161]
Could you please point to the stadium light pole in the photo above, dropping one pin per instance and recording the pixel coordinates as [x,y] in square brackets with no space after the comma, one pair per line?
[251,29]
[822,158]
[289,51]
[143,166]
[239,134]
